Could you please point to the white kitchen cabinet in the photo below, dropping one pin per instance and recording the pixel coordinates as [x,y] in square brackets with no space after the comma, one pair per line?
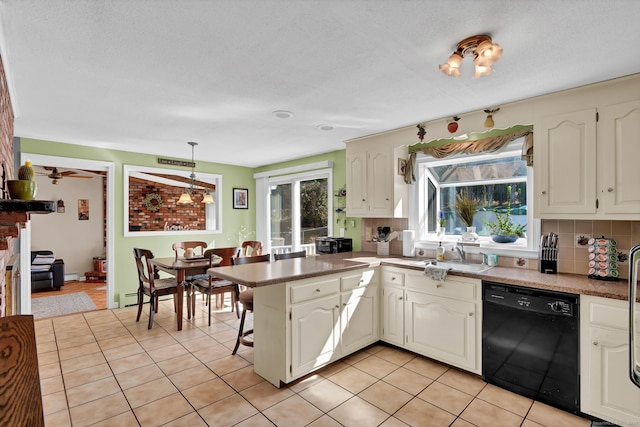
[359,310]
[605,387]
[442,328]
[565,163]
[393,315]
[441,320]
[585,163]
[302,325]
[359,319]
[392,305]
[374,188]
[314,334]
[619,152]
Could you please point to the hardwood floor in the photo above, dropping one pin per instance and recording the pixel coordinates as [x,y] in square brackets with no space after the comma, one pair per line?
[97,291]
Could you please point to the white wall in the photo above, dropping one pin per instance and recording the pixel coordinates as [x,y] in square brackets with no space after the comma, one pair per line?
[75,241]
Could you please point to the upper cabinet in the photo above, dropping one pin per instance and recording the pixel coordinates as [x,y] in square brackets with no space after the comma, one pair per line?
[375,189]
[585,164]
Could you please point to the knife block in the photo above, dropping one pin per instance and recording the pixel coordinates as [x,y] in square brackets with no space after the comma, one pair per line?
[548,266]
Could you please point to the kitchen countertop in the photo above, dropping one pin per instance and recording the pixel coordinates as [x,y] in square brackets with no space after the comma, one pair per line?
[264,274]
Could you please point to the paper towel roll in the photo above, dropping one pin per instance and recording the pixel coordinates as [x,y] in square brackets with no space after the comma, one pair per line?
[408,243]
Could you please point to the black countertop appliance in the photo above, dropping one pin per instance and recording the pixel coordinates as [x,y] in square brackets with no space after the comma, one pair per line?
[333,245]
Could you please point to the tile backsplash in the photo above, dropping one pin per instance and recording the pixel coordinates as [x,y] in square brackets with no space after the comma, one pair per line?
[573,255]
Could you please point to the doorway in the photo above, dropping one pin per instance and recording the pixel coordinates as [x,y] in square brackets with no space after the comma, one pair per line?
[104,168]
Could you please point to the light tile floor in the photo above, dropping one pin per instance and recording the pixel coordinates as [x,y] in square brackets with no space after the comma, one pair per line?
[102,368]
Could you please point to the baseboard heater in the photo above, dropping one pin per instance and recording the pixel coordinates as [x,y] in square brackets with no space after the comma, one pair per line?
[131,298]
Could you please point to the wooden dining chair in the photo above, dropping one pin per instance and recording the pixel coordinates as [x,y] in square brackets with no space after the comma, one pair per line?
[251,248]
[151,285]
[215,286]
[288,255]
[246,299]
[197,248]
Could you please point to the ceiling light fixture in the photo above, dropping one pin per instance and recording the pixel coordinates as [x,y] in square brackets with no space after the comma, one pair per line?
[485,54]
[187,195]
[488,123]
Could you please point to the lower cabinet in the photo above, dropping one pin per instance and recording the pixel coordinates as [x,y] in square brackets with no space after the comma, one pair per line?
[441,328]
[441,320]
[393,315]
[303,325]
[314,336]
[605,387]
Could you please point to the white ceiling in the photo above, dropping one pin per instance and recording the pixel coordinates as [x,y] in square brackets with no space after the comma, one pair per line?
[148,76]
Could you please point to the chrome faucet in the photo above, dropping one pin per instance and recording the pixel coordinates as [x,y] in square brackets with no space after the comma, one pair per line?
[460,248]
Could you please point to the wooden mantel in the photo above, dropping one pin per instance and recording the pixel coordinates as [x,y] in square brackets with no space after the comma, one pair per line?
[14,214]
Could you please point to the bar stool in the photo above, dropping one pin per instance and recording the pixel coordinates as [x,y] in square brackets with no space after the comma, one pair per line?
[246,299]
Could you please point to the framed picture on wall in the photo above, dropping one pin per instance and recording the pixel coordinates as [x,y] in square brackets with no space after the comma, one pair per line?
[240,198]
[83,209]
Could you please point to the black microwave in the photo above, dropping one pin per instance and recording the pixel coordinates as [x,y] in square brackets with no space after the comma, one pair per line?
[333,245]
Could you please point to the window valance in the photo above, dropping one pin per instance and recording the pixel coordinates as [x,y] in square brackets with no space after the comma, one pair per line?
[475,143]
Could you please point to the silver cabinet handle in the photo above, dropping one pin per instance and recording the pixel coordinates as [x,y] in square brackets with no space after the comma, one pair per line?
[544,191]
[317,290]
[470,314]
[610,190]
[595,343]
[400,299]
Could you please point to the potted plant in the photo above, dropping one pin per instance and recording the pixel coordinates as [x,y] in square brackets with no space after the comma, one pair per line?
[503,230]
[465,207]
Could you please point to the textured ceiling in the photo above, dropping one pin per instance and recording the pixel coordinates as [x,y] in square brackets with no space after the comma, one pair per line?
[148,76]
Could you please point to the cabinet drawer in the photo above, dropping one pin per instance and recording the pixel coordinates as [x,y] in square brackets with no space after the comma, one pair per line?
[453,287]
[316,289]
[609,312]
[392,277]
[357,280]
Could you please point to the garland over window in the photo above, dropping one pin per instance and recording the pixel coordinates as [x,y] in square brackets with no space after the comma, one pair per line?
[485,142]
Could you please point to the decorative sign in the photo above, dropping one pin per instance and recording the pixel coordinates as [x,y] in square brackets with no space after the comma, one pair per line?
[175,227]
[176,162]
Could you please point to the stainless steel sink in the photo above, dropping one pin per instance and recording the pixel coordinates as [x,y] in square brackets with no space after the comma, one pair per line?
[465,267]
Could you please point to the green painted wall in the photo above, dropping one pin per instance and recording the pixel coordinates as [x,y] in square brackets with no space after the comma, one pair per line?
[125,271]
[339,158]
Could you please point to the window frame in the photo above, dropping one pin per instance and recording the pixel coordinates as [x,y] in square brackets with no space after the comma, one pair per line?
[523,248]
[295,179]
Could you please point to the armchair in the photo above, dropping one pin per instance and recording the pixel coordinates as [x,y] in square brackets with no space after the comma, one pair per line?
[47,272]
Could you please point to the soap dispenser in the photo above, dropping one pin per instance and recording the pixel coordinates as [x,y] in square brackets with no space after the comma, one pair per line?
[440,252]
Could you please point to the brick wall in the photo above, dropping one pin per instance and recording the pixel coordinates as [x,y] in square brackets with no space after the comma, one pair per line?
[190,215]
[6,168]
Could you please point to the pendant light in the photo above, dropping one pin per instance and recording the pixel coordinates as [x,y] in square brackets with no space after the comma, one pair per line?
[185,197]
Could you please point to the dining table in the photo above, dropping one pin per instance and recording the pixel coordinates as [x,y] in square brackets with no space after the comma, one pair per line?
[182,268]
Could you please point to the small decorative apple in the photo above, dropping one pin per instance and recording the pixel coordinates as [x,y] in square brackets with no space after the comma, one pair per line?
[453,124]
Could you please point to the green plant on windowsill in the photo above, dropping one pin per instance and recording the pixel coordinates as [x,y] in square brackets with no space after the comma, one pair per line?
[503,230]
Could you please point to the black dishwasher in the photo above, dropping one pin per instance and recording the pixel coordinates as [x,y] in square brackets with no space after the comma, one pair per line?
[530,343]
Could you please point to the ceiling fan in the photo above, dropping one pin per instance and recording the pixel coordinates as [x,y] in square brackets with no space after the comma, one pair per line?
[55,175]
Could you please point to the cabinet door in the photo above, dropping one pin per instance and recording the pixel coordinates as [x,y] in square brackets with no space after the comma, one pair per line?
[441,328]
[565,163]
[612,395]
[619,152]
[393,315]
[357,204]
[314,334]
[380,177]
[359,319]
